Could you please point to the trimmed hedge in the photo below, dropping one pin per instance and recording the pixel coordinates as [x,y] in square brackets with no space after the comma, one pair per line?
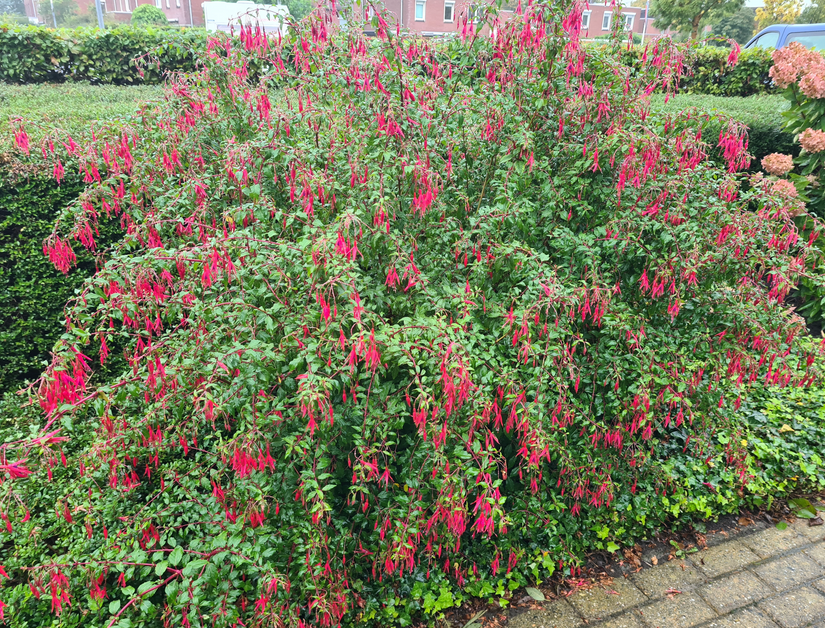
[31,54]
[32,293]
[761,114]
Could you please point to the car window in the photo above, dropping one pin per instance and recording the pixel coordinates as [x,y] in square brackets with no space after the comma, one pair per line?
[811,39]
[768,40]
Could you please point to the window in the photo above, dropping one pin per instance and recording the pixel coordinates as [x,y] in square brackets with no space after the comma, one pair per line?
[585,20]
[606,21]
[628,21]
[449,10]
[167,4]
[812,39]
[419,10]
[768,40]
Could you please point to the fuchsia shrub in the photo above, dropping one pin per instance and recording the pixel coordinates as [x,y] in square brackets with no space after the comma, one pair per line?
[400,320]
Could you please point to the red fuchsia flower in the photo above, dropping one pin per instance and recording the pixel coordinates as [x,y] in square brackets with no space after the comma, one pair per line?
[21,138]
[733,57]
[16,471]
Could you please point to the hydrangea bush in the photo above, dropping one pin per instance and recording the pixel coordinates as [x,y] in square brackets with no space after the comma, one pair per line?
[402,323]
[800,74]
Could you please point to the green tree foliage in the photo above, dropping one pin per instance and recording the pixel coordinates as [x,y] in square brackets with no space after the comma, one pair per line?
[149,15]
[813,13]
[12,7]
[405,322]
[687,16]
[739,27]
[777,12]
[63,11]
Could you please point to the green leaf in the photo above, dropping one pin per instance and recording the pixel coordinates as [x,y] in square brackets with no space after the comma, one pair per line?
[535,594]
[802,508]
[612,547]
[114,607]
[782,525]
[193,567]
[160,568]
[176,556]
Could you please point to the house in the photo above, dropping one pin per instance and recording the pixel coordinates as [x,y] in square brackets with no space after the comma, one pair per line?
[598,18]
[441,17]
[430,17]
[181,12]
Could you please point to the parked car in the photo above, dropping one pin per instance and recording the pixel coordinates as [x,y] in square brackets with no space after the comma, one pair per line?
[780,35]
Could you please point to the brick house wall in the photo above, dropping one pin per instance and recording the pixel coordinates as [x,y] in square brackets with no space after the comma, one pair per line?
[438,17]
[594,22]
[429,17]
[176,11]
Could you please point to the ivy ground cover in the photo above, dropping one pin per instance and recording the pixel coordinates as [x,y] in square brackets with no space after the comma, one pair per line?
[397,325]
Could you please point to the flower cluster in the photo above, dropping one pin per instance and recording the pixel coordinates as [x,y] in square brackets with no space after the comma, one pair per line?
[812,140]
[795,60]
[785,188]
[777,163]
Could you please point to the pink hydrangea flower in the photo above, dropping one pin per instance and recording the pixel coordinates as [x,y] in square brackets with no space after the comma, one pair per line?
[812,140]
[793,61]
[813,83]
[785,188]
[777,163]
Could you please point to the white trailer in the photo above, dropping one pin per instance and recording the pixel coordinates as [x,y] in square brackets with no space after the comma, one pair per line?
[221,16]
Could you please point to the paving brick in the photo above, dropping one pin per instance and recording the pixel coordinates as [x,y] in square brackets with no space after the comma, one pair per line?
[796,608]
[675,574]
[683,611]
[772,541]
[629,619]
[558,614]
[713,539]
[746,618]
[787,572]
[601,602]
[817,552]
[735,591]
[721,559]
[812,533]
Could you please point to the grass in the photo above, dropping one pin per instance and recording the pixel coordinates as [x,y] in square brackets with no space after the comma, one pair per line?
[72,107]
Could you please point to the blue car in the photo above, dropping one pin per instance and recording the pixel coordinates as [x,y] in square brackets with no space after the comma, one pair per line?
[780,35]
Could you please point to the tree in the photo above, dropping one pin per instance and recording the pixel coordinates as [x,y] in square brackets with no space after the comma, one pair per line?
[149,15]
[12,7]
[61,11]
[688,15]
[738,27]
[778,12]
[814,13]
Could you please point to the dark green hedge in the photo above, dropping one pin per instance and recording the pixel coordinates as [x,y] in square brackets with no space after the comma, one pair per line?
[761,114]
[709,73]
[32,54]
[32,292]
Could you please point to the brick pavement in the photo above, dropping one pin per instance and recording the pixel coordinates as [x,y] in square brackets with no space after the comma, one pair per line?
[767,578]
